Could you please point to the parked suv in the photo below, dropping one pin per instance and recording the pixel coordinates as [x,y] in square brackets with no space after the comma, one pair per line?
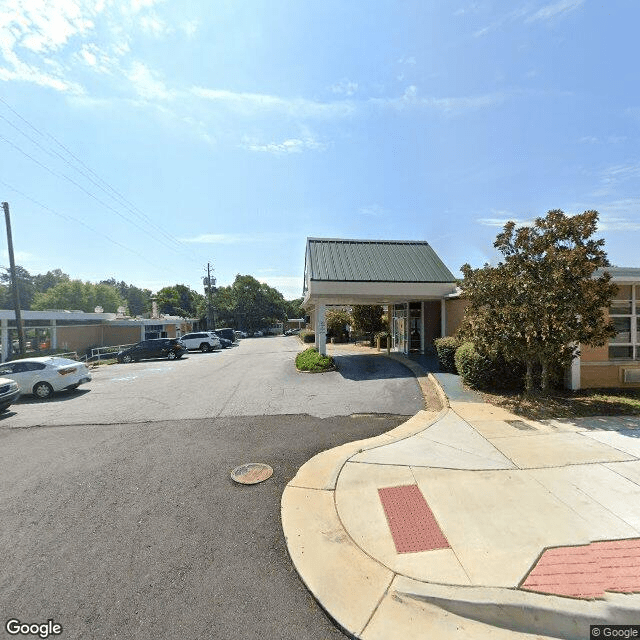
[170,348]
[205,341]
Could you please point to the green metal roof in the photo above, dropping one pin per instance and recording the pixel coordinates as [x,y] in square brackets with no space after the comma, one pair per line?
[338,260]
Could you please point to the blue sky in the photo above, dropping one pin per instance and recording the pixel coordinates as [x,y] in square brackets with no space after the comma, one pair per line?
[141,139]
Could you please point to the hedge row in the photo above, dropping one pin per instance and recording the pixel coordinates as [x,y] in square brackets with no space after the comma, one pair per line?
[477,370]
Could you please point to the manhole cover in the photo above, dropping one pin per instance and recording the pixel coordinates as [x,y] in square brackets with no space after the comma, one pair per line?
[251,473]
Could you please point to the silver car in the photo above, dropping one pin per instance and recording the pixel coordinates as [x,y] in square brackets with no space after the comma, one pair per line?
[9,393]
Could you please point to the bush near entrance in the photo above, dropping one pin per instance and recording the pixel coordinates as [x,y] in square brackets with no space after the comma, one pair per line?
[311,360]
[446,350]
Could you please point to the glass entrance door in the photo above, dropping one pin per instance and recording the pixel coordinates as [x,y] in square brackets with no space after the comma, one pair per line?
[400,328]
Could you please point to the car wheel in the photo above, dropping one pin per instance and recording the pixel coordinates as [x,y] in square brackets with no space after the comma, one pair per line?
[43,390]
[127,359]
[171,355]
[204,347]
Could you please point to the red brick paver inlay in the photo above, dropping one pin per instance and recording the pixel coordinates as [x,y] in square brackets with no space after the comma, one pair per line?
[589,570]
[413,525]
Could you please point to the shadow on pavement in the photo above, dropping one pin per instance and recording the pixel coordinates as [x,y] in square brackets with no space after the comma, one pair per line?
[370,367]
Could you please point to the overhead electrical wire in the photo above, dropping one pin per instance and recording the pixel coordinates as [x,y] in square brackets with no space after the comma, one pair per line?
[107,188]
[111,192]
[81,222]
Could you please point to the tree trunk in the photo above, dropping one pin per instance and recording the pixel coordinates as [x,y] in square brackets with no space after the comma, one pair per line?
[528,379]
[544,376]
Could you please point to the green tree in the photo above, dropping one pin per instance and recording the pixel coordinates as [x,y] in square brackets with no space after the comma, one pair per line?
[541,300]
[44,282]
[26,288]
[180,300]
[138,301]
[293,308]
[368,319]
[76,294]
[337,321]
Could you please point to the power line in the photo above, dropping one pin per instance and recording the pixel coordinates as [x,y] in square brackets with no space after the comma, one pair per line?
[91,195]
[53,153]
[107,188]
[84,224]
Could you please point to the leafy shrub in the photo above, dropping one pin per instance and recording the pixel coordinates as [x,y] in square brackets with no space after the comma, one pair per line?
[337,321]
[307,335]
[311,360]
[483,372]
[446,350]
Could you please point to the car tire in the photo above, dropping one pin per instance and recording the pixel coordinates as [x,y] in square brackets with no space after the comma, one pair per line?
[127,359]
[205,348]
[42,390]
[171,355]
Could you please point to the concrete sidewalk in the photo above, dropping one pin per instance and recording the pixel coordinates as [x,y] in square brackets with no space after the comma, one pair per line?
[472,522]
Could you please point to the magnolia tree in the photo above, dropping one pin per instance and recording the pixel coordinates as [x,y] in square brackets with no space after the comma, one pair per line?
[541,301]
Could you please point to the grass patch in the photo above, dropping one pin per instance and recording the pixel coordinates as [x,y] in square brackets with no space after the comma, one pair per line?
[570,404]
[99,363]
[311,360]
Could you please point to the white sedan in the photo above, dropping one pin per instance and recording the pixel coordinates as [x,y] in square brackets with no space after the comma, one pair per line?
[42,376]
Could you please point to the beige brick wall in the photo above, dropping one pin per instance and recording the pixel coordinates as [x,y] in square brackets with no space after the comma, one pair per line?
[455,313]
[80,338]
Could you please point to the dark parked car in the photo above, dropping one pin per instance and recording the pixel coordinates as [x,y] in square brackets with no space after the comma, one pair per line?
[170,348]
[227,334]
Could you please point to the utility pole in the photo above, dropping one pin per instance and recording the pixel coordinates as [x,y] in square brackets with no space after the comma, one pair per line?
[211,323]
[14,282]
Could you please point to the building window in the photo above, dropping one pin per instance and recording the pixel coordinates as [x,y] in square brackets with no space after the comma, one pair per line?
[625,314]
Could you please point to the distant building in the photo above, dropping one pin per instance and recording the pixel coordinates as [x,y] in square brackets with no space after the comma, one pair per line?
[78,331]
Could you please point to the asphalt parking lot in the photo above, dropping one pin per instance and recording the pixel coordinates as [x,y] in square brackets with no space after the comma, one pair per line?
[121,526]
[255,377]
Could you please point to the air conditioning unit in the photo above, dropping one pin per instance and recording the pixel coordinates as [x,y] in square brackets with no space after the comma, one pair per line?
[631,375]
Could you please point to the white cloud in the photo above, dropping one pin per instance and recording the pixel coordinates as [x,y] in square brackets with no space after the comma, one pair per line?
[147,83]
[501,217]
[289,286]
[345,87]
[550,11]
[153,25]
[373,210]
[251,103]
[619,224]
[190,27]
[292,145]
[446,105]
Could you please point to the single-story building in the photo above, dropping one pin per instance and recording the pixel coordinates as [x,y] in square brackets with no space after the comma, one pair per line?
[406,276]
[424,302]
[78,331]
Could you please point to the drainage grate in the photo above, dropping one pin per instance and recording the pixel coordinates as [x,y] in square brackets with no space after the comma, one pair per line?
[587,571]
[411,521]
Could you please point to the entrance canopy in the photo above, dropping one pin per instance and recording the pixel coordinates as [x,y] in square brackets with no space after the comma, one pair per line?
[347,272]
[384,272]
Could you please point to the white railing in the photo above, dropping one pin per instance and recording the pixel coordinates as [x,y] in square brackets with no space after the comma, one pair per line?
[99,352]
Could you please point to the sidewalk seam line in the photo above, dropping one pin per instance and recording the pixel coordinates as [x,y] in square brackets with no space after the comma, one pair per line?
[377,606]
